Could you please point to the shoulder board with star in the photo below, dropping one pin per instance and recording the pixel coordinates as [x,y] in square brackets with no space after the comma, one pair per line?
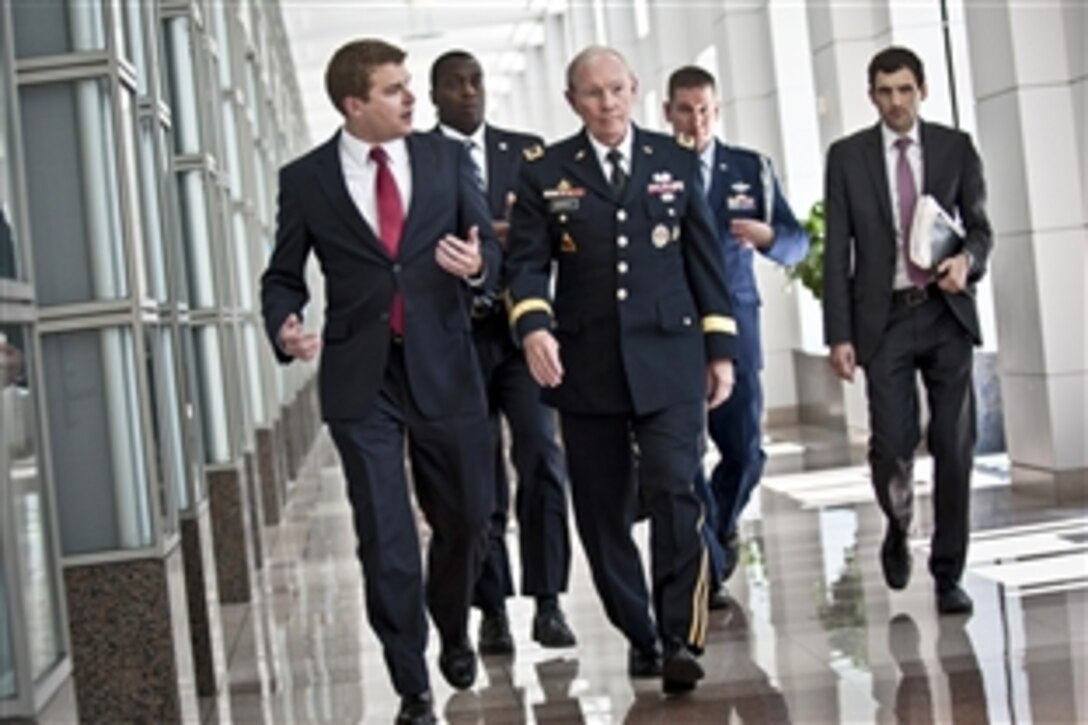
[533,153]
[685,140]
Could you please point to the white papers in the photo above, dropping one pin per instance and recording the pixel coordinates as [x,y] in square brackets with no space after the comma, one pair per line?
[934,234]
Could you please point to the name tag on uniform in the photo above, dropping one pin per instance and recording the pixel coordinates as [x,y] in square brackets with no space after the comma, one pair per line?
[555,206]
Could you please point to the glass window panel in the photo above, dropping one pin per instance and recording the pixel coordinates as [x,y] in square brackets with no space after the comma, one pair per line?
[241,253]
[72,188]
[213,394]
[230,142]
[152,169]
[194,427]
[184,103]
[9,254]
[197,235]
[251,373]
[22,464]
[94,422]
[134,34]
[222,39]
[166,425]
[52,27]
[134,206]
[7,647]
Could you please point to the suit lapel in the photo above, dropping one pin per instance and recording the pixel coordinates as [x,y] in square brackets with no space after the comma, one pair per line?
[422,162]
[498,171]
[331,178]
[642,161]
[932,158]
[583,166]
[878,173]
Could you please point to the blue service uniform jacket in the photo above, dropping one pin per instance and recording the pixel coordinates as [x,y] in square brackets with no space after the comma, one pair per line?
[640,299]
[316,214]
[743,186]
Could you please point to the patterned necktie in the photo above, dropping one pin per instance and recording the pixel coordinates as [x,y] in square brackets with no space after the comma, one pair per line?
[390,224]
[477,173]
[618,179]
[908,198]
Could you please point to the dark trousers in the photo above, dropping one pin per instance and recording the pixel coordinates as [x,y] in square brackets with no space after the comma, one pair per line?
[736,427]
[606,499]
[541,498]
[449,467]
[924,338]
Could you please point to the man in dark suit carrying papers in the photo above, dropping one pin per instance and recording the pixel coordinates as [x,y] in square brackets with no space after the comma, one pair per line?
[403,237]
[883,312]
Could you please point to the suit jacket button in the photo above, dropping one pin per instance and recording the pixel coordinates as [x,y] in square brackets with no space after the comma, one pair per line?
[621,241]
[396,268]
[622,267]
[621,215]
[384,317]
[621,294]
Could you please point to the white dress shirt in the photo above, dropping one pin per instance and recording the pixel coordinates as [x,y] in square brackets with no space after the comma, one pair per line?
[891,160]
[361,172]
[624,147]
[706,164]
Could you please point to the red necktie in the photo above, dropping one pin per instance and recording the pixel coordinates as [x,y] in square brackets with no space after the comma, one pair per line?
[390,224]
[908,199]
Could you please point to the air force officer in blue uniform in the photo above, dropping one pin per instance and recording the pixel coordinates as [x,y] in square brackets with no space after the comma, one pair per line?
[402,235]
[639,339]
[750,215]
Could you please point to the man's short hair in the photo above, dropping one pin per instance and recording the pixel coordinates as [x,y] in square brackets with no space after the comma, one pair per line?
[894,58]
[448,57]
[589,54]
[690,76]
[349,70]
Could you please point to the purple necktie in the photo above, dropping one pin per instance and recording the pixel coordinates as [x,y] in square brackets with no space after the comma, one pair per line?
[908,198]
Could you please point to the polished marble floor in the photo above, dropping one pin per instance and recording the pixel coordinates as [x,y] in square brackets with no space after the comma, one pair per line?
[812,636]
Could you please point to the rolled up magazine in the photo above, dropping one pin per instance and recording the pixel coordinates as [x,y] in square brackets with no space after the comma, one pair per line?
[934,234]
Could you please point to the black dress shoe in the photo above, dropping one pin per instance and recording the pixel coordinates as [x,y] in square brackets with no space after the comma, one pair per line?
[550,628]
[416,710]
[731,544]
[495,637]
[718,599]
[679,670]
[458,665]
[895,559]
[952,599]
[642,664]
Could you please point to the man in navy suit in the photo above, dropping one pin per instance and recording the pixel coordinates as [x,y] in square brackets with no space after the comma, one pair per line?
[640,339]
[457,89]
[751,215]
[896,320]
[397,352]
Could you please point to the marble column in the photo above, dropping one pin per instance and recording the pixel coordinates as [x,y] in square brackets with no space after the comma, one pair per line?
[268,473]
[1030,76]
[202,591]
[230,524]
[131,655]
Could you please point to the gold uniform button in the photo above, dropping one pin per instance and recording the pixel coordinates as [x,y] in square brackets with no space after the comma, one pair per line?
[621,241]
[621,215]
[621,294]
[622,267]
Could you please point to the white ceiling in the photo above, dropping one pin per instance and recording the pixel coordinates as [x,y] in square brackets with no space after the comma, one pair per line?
[493,30]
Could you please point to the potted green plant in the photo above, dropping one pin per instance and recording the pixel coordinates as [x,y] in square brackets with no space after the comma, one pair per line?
[810,270]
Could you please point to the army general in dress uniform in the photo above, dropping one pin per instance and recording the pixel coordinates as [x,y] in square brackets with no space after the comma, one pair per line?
[636,341]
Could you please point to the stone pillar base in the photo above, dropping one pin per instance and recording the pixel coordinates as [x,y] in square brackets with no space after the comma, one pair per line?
[202,588]
[131,653]
[231,527]
[268,473]
[256,510]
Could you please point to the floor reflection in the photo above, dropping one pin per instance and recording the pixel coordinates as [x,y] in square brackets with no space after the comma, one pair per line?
[812,634]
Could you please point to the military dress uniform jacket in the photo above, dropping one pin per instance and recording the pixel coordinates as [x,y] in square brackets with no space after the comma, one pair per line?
[640,301]
[743,186]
